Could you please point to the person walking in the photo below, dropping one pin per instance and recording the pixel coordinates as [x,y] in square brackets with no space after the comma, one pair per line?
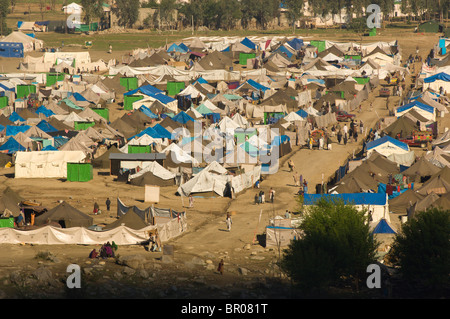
[108,204]
[339,137]
[229,222]
[296,181]
[271,195]
[191,201]
[220,267]
[291,165]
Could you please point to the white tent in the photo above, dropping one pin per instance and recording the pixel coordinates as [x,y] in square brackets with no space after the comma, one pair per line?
[212,178]
[45,164]
[155,168]
[121,235]
[178,155]
[240,120]
[29,43]
[291,117]
[73,8]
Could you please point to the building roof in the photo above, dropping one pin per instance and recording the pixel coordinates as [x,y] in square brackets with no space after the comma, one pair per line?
[355,199]
[387,139]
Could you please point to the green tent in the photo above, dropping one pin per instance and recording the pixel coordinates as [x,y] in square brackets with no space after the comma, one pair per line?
[7,222]
[352,57]
[102,112]
[373,32]
[139,149]
[243,57]
[128,101]
[81,126]
[71,104]
[79,172]
[23,90]
[173,88]
[52,78]
[129,83]
[362,80]
[203,109]
[319,44]
[3,101]
[430,26]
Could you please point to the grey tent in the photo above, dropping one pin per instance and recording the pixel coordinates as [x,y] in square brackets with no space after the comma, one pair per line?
[401,203]
[420,169]
[149,178]
[65,215]
[130,220]
[103,160]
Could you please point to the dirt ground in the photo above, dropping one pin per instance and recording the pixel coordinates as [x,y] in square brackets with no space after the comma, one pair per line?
[206,238]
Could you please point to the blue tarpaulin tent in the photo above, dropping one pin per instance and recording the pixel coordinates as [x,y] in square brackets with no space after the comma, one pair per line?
[200,80]
[148,131]
[383,228]
[295,43]
[43,110]
[11,146]
[46,127]
[49,148]
[162,131]
[256,85]
[302,113]
[184,47]
[176,48]
[16,117]
[59,141]
[182,118]
[148,112]
[146,89]
[283,51]
[12,130]
[386,139]
[248,43]
[348,199]
[422,106]
[439,76]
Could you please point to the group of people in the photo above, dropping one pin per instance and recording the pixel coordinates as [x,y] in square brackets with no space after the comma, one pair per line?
[106,251]
[97,210]
[260,198]
[350,133]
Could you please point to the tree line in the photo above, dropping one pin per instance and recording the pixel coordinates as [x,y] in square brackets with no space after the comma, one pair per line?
[227,14]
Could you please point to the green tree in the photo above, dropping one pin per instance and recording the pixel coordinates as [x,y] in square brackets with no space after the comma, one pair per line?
[228,13]
[127,12]
[4,11]
[166,12]
[92,9]
[421,250]
[294,11]
[336,243]
[266,11]
[193,13]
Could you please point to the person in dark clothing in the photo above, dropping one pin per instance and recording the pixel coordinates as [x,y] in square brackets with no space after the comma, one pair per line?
[108,204]
[339,137]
